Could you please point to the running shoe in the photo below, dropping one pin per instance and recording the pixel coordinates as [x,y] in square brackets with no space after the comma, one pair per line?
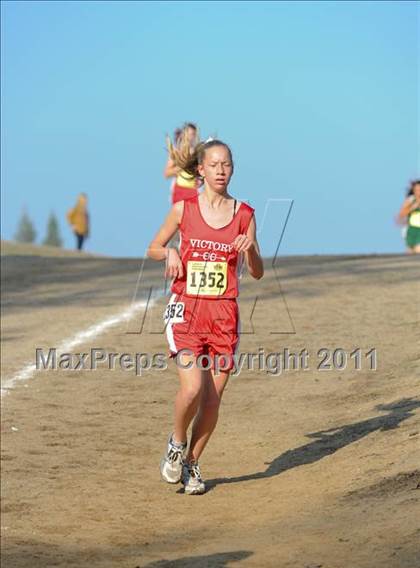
[191,478]
[171,463]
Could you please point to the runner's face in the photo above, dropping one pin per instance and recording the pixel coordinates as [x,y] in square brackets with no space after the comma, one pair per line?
[191,133]
[417,191]
[217,168]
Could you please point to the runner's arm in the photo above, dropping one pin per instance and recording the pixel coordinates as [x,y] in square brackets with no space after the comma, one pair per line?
[248,245]
[252,255]
[170,169]
[406,208]
[157,249]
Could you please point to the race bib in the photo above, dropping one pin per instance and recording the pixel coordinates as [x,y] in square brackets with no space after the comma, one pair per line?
[415,219]
[174,312]
[206,278]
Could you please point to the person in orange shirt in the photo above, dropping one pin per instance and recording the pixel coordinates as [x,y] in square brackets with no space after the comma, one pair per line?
[184,184]
[78,219]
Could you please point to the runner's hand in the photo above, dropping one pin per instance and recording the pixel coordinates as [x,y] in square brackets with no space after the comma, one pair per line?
[174,267]
[242,243]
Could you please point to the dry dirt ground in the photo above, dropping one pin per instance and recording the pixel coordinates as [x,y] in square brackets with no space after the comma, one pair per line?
[310,468]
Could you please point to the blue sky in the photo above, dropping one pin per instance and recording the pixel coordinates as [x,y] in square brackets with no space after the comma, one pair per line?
[318,100]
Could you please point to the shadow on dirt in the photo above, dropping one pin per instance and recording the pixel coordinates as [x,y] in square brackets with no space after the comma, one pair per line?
[217,560]
[40,555]
[327,442]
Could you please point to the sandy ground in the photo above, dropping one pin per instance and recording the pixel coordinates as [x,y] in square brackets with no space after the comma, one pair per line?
[13,248]
[311,468]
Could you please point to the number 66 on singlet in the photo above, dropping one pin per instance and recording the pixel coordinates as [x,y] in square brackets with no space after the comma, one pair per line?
[206,278]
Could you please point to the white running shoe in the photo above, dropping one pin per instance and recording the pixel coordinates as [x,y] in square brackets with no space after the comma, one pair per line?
[171,463]
[191,478]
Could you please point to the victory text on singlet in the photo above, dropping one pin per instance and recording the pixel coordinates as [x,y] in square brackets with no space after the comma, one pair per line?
[207,254]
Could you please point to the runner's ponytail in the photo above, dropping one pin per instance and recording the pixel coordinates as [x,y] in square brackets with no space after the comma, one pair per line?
[189,160]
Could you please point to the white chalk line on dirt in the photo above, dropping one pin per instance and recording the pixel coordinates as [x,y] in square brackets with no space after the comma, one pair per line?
[67,345]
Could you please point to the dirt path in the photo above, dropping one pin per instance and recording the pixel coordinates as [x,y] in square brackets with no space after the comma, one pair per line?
[306,469]
[46,300]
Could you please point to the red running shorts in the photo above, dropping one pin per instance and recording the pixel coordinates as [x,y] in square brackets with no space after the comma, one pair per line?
[203,327]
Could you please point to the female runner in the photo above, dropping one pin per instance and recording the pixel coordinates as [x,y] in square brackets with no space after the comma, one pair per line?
[185,185]
[202,320]
[410,211]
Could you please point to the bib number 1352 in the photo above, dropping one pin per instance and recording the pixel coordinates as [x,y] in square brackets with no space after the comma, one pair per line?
[206,278]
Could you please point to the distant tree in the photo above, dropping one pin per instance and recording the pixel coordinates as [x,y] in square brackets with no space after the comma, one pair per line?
[25,232]
[53,238]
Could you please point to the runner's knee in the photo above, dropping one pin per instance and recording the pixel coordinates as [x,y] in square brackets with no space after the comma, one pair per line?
[190,395]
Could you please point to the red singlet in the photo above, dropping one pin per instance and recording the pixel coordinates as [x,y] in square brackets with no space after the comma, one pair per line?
[209,260]
[202,315]
[179,193]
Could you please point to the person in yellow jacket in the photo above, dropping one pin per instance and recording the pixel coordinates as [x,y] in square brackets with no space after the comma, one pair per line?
[78,218]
